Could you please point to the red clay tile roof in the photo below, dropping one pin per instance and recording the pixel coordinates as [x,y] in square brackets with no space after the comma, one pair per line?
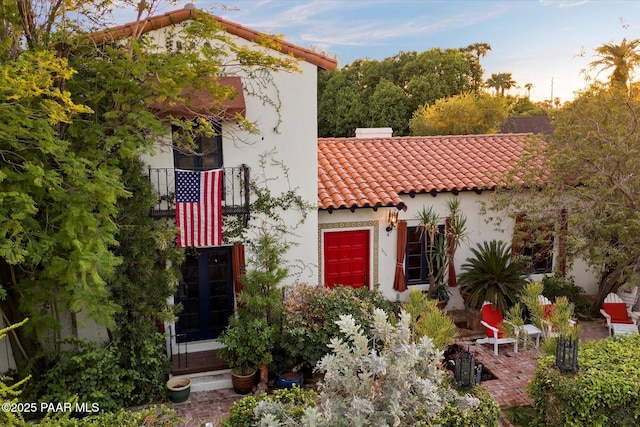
[178,16]
[374,172]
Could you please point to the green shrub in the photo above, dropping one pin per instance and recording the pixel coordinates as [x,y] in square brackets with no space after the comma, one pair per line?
[486,414]
[389,380]
[310,314]
[607,384]
[283,404]
[559,286]
[428,320]
[149,417]
[119,375]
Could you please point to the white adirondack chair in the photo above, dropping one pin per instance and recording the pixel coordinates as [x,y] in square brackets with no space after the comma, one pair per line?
[615,311]
[492,319]
[629,298]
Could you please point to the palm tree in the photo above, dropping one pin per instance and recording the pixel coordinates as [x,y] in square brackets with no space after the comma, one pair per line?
[480,49]
[500,82]
[623,58]
[528,86]
[491,274]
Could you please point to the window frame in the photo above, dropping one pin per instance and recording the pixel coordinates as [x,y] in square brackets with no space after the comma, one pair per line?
[538,253]
[424,269]
[199,158]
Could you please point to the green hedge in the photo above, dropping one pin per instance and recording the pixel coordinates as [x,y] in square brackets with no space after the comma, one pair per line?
[310,315]
[291,404]
[486,414]
[155,416]
[604,391]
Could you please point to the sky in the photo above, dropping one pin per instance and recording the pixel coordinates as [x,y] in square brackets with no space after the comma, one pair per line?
[548,43]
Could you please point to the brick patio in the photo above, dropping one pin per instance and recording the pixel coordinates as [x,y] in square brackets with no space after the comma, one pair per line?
[513,372]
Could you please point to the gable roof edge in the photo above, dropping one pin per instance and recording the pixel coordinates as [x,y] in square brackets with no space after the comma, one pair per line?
[178,16]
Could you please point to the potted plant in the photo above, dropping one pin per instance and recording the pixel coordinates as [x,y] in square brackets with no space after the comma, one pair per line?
[491,274]
[248,345]
[441,246]
[443,293]
[290,377]
[253,333]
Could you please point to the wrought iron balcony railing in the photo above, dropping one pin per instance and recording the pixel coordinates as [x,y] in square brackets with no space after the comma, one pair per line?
[235,191]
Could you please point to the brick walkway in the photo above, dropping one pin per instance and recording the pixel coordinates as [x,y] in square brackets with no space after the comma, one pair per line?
[514,370]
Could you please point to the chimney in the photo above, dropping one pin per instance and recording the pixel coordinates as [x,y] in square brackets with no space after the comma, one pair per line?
[374,132]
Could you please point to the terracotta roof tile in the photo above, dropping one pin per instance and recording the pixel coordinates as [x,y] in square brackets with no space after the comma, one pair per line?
[356,173]
[181,15]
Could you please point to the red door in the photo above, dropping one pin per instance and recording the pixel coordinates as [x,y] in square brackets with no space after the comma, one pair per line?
[346,258]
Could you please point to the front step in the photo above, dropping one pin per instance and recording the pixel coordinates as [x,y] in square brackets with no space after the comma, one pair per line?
[195,362]
[212,380]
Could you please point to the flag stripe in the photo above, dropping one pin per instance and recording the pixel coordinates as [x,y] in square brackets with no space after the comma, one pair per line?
[199,208]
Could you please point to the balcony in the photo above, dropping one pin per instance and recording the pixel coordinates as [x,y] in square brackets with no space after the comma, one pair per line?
[235,191]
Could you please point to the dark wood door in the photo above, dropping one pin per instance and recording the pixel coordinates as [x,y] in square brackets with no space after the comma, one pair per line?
[206,294]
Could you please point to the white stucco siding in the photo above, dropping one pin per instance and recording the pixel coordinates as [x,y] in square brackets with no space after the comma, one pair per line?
[287,135]
[383,258]
[478,231]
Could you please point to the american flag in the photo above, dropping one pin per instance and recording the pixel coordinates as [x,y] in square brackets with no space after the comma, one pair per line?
[199,208]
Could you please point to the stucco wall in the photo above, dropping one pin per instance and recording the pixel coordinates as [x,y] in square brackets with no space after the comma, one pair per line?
[383,245]
[288,136]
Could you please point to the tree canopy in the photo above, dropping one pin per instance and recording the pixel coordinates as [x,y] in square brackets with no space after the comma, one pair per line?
[370,93]
[590,170]
[75,116]
[465,114]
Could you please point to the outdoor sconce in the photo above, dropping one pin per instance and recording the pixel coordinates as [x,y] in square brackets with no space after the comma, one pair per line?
[567,355]
[392,219]
[466,373]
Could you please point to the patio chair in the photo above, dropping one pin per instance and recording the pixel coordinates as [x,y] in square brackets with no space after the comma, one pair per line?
[492,321]
[615,311]
[547,310]
[629,298]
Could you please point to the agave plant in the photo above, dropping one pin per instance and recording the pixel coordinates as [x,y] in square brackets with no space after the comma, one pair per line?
[492,275]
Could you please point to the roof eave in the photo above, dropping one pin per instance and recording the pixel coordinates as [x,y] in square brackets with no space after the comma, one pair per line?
[177,16]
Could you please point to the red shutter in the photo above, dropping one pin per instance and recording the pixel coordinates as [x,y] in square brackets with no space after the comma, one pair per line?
[400,281]
[518,234]
[562,242]
[238,265]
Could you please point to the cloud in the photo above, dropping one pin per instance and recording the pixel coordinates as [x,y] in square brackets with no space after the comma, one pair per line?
[352,31]
[563,4]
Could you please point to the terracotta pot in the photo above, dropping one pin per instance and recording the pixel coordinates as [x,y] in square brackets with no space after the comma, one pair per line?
[243,384]
[442,304]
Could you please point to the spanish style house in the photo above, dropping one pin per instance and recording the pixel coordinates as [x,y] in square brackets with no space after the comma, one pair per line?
[287,135]
[363,182]
[368,191]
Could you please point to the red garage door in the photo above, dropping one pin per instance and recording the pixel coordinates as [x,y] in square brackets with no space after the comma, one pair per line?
[346,258]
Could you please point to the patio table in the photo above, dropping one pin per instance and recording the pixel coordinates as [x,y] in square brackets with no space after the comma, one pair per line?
[533,332]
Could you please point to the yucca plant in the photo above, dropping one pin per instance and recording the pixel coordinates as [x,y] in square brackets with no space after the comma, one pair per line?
[492,275]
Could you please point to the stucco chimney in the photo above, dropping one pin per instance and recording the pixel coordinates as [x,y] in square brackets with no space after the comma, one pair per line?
[374,132]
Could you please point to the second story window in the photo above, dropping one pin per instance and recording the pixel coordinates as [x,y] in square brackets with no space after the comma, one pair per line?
[207,153]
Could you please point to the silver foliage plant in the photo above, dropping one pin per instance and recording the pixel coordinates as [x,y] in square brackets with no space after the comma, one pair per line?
[388,381]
